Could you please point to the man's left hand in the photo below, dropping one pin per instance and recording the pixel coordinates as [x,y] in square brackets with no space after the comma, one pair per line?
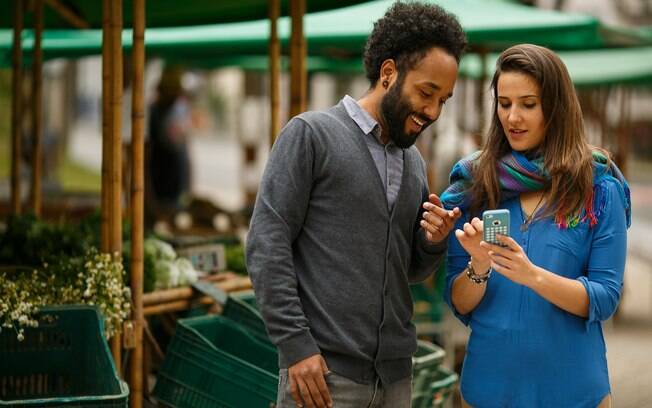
[437,221]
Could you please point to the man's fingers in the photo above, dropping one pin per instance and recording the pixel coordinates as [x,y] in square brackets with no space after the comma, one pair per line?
[429,227]
[294,391]
[434,198]
[439,211]
[324,393]
[305,394]
[316,391]
[324,367]
[433,219]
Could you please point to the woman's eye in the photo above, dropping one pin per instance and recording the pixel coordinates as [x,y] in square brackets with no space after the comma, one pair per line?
[530,105]
[504,105]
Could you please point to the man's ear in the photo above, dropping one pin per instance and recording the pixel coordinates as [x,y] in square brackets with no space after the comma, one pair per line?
[388,73]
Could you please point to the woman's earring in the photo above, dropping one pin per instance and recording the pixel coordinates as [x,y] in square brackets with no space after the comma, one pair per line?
[385,84]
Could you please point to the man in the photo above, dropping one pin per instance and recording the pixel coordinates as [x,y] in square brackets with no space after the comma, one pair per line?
[338,231]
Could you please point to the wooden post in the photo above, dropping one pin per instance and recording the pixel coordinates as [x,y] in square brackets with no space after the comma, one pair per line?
[298,74]
[112,138]
[137,200]
[16,107]
[37,111]
[115,220]
[115,196]
[274,70]
[106,122]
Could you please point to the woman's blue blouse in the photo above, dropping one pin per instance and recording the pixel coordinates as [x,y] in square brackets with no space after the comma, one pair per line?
[523,350]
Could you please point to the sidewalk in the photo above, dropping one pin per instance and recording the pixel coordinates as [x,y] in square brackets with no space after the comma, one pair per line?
[629,336]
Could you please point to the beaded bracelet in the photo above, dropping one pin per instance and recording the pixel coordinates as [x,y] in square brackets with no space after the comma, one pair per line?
[475,278]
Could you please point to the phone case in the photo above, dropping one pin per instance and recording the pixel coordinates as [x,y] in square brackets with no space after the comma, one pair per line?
[495,222]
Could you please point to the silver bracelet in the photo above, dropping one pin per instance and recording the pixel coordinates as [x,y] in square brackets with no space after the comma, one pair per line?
[474,277]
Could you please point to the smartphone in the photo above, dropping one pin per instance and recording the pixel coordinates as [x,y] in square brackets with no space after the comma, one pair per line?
[495,222]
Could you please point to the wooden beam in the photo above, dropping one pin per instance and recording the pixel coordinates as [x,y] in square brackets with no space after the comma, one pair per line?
[106,122]
[274,70]
[68,15]
[112,139]
[298,74]
[37,110]
[115,178]
[137,200]
[16,107]
[115,213]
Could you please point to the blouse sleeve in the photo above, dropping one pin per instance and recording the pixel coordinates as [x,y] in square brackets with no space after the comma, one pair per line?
[604,277]
[456,263]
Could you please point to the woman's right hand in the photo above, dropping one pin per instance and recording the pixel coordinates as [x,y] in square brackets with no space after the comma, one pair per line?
[470,237]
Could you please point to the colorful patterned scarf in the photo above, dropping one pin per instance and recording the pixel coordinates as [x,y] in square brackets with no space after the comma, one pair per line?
[517,174]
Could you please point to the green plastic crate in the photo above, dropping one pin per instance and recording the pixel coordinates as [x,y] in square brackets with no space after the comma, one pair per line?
[65,362]
[440,385]
[247,315]
[425,362]
[428,301]
[247,296]
[427,358]
[214,362]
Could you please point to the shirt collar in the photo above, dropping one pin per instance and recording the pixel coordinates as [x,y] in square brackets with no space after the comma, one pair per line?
[361,117]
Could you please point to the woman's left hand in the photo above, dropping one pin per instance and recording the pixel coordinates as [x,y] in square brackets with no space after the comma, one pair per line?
[512,262]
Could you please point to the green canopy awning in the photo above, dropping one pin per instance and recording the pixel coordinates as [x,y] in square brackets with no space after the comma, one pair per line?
[261,63]
[624,66]
[171,13]
[627,66]
[336,39]
[489,24]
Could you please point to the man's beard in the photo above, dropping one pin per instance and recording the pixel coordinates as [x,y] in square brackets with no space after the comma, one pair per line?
[395,109]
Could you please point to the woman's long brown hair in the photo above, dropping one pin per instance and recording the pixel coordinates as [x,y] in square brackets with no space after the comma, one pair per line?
[567,155]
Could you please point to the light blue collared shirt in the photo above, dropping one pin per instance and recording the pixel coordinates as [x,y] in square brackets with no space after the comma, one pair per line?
[387,157]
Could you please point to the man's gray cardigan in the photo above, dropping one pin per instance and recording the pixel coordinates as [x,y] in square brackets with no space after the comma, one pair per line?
[330,264]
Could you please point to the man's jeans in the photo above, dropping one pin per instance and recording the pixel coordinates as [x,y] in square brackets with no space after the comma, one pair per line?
[349,394]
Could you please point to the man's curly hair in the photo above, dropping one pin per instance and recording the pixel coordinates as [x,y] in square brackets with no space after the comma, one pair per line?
[405,34]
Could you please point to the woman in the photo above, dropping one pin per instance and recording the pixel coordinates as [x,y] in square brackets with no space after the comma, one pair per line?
[535,306]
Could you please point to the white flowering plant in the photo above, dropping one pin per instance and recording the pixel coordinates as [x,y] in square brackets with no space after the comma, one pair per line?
[93,279]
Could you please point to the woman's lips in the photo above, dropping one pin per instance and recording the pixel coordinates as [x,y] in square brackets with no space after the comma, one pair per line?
[517,133]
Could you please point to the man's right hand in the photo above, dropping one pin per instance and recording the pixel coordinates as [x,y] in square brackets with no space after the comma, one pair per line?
[307,383]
